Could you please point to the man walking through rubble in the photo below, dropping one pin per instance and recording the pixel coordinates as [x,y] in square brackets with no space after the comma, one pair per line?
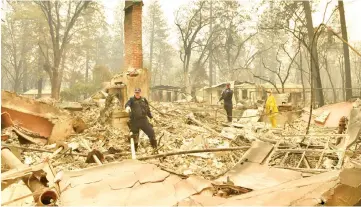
[138,109]
[227,96]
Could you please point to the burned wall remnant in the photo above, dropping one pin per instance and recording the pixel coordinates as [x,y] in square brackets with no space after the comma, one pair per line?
[37,122]
[134,78]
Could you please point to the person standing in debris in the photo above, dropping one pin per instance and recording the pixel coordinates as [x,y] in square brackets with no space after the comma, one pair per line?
[271,108]
[227,96]
[138,109]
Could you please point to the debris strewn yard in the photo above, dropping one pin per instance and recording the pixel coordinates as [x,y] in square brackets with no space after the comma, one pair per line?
[233,103]
[223,161]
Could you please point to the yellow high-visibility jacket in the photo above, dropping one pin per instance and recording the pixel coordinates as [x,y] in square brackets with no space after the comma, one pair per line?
[271,106]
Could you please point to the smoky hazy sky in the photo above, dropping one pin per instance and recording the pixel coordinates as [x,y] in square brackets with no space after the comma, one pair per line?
[352,11]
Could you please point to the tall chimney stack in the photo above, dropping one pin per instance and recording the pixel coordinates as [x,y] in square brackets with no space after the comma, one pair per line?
[133,34]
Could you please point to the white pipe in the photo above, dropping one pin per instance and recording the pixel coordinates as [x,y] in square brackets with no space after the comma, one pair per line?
[132,148]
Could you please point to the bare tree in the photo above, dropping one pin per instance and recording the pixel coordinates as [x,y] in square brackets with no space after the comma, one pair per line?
[346,52]
[15,51]
[342,72]
[189,29]
[329,76]
[313,51]
[279,16]
[60,33]
[279,70]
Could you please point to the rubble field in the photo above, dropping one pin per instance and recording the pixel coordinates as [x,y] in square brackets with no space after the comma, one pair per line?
[187,126]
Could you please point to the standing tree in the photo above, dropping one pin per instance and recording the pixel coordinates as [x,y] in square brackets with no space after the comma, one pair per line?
[295,17]
[312,41]
[117,38]
[60,32]
[346,54]
[282,73]
[18,38]
[189,26]
[157,39]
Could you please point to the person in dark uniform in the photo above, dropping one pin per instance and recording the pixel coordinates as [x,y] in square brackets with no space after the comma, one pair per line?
[227,96]
[138,109]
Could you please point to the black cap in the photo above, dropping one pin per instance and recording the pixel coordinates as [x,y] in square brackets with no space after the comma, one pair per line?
[137,90]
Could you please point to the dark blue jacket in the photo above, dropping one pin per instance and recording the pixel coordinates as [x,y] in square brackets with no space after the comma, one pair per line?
[139,108]
[227,96]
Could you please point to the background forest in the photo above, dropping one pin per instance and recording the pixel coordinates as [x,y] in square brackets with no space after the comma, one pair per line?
[69,48]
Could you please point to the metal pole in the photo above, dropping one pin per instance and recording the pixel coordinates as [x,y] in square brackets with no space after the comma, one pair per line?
[8,158]
[94,156]
[132,147]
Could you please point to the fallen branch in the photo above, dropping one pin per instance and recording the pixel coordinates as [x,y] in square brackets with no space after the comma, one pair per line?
[160,138]
[308,150]
[163,114]
[38,150]
[160,147]
[305,170]
[315,135]
[170,171]
[191,117]
[194,151]
[49,151]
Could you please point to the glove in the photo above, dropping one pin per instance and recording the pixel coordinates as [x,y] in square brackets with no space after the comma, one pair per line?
[127,109]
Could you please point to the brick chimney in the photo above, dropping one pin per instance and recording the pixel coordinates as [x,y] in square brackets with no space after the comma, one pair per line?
[133,34]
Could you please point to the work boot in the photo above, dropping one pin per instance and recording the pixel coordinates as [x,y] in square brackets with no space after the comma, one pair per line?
[153,142]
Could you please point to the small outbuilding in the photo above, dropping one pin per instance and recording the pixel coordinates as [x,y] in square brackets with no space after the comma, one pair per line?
[33,93]
[165,93]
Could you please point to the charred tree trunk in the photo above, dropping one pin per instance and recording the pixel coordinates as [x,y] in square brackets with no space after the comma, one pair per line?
[55,91]
[40,76]
[151,47]
[59,41]
[186,77]
[210,47]
[313,54]
[40,87]
[55,79]
[87,67]
[16,84]
[330,78]
[154,75]
[301,76]
[342,72]
[25,76]
[159,68]
[346,53]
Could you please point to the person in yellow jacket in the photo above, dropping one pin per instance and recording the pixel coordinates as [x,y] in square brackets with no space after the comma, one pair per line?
[271,108]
